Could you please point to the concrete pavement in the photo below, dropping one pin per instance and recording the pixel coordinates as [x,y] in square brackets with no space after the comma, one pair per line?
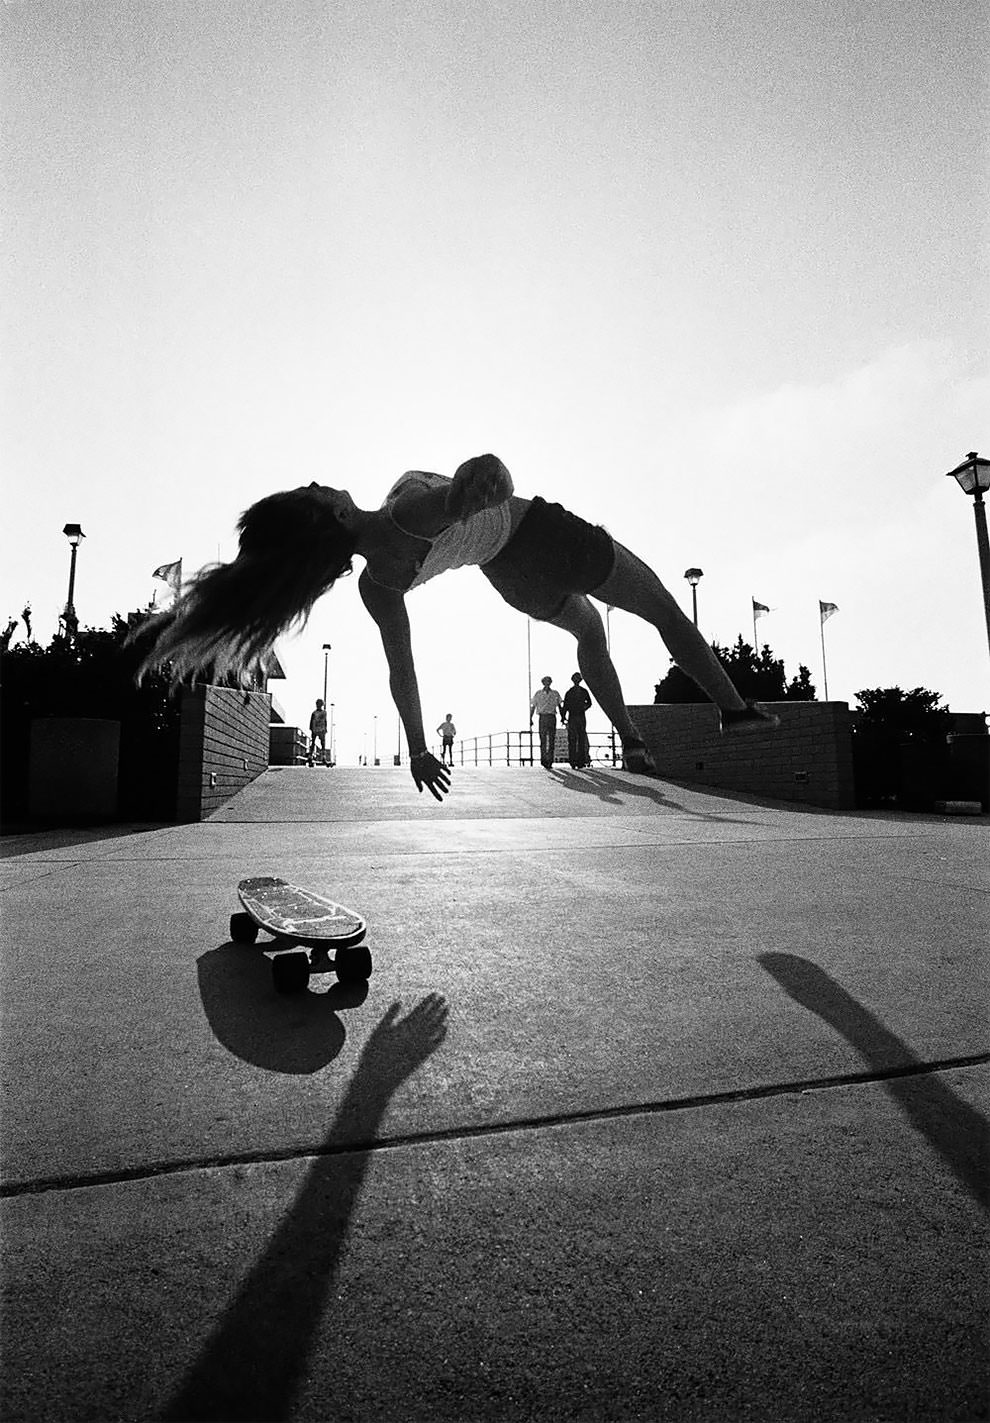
[699,1130]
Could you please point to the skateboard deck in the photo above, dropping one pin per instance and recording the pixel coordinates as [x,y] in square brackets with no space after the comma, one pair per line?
[297,917]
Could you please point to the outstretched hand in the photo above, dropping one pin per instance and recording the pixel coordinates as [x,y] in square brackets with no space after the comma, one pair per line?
[479,483]
[433,774]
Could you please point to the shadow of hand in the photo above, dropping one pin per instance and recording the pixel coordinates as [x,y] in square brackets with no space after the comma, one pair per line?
[398,1046]
[252,1364]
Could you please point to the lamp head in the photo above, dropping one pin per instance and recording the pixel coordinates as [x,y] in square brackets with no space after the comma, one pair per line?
[74,534]
[693,576]
[973,475]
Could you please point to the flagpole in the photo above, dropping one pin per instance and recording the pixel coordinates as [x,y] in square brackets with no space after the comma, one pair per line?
[821,619]
[529,687]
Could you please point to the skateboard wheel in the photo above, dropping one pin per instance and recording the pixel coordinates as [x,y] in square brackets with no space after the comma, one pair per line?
[290,973]
[353,965]
[243,929]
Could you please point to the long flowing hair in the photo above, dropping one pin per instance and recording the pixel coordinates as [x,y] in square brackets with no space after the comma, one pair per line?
[292,549]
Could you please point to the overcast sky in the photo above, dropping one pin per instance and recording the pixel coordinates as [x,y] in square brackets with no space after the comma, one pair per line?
[712,274]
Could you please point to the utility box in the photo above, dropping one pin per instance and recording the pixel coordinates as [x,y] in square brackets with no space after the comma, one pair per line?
[73,770]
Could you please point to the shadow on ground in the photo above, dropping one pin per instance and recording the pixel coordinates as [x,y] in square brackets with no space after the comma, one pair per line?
[606,789]
[959,1133]
[32,839]
[281,1032]
[252,1364]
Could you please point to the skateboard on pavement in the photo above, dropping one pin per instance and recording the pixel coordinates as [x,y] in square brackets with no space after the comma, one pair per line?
[297,919]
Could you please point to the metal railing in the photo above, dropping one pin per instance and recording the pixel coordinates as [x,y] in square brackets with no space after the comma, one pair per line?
[522,748]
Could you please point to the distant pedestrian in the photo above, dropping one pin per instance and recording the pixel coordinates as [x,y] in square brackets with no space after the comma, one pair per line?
[546,703]
[318,731]
[447,731]
[576,704]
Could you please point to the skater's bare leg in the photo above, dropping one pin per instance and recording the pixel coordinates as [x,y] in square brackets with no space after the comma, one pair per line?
[635,588]
[580,617]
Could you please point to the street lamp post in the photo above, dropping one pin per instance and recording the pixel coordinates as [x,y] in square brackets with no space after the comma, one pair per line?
[608,649]
[327,649]
[694,576]
[75,536]
[333,758]
[973,477]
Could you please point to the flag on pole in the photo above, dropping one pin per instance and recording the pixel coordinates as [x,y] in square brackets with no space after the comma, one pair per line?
[759,609]
[170,573]
[825,611]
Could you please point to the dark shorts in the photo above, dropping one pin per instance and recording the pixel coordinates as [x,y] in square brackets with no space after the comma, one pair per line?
[551,555]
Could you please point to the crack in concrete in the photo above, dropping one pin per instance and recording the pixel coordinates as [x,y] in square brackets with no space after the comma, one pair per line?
[766,1091]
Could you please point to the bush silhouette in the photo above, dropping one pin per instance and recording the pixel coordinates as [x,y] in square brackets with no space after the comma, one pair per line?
[757,678]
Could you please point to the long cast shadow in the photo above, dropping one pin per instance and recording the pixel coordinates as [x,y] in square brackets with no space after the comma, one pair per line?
[607,789]
[959,1133]
[252,1364]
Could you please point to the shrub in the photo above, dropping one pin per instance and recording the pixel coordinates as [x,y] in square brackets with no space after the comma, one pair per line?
[758,678]
[91,675]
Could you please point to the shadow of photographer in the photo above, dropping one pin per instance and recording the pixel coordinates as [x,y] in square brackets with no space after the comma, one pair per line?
[954,1129]
[253,1362]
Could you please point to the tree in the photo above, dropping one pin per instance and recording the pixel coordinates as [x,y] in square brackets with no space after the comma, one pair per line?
[900,748]
[92,675]
[801,688]
[757,678]
[915,713]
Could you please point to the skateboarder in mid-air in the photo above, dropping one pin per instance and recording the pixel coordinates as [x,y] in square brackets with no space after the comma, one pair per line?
[543,560]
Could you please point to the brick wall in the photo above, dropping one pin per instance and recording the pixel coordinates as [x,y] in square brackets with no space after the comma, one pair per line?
[223,745]
[808,758]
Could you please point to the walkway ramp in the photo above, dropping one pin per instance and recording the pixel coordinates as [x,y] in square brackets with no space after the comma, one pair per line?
[659,1104]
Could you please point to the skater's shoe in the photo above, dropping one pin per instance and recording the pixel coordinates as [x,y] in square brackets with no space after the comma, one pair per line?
[636,758]
[753,717]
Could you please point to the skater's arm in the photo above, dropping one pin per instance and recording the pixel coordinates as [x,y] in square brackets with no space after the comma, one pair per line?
[479,483]
[427,509]
[388,609]
[421,509]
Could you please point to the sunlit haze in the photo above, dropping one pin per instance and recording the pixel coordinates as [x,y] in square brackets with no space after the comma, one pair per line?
[712,274]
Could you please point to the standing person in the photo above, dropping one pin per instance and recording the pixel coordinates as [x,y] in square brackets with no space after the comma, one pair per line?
[318,731]
[447,731]
[576,704]
[546,703]
[542,560]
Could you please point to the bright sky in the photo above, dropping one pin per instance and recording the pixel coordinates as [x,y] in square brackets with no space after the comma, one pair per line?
[710,272]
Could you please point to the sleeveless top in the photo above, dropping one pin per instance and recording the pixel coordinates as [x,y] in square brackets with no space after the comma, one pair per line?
[475,541]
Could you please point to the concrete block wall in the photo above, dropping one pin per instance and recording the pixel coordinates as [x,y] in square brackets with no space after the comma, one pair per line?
[223,746]
[808,758]
[287,745]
